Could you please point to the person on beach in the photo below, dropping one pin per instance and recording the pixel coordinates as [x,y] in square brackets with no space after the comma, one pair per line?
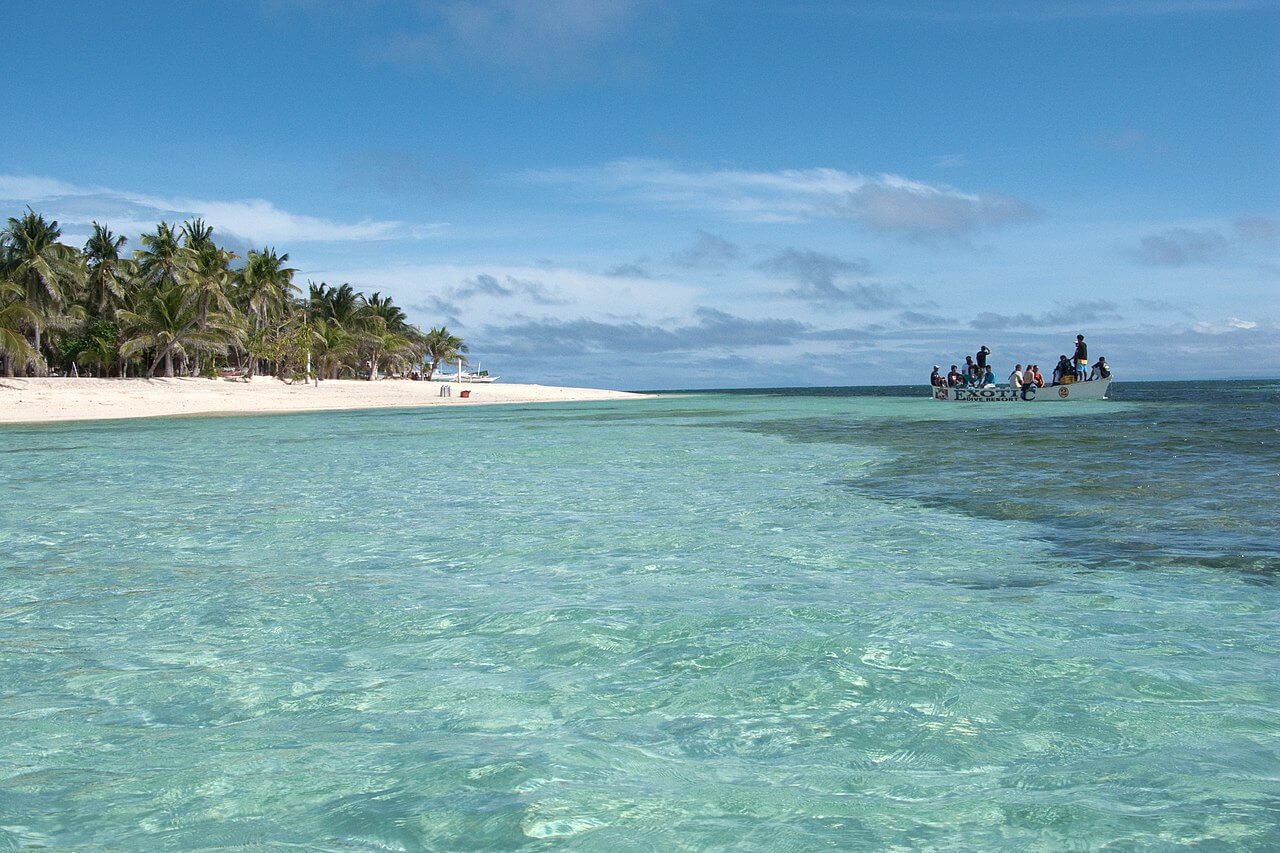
[1081,358]
[1015,378]
[1101,370]
[935,378]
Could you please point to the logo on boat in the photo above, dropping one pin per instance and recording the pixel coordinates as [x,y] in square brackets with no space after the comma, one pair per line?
[1062,392]
[989,395]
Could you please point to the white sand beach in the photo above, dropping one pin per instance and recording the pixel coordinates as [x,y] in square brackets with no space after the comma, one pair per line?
[64,399]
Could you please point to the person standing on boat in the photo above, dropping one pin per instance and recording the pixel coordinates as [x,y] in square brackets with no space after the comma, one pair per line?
[1081,358]
[983,352]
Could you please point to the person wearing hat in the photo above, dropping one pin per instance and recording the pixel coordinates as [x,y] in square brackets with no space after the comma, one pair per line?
[935,378]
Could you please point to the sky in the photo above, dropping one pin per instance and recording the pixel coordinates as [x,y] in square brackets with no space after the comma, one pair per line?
[645,194]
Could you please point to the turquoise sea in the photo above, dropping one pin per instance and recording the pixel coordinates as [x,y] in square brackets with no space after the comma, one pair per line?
[791,620]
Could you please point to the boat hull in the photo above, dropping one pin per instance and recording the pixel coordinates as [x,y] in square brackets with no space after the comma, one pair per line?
[1095,390]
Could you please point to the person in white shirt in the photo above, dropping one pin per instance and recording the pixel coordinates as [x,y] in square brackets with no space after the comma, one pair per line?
[1015,378]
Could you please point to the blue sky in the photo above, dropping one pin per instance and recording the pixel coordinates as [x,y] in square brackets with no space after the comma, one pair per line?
[698,194]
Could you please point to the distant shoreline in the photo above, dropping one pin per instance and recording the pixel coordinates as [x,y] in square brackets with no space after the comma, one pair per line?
[66,400]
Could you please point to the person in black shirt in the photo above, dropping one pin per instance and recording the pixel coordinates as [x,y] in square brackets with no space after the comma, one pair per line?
[1081,358]
[1101,370]
[982,358]
[1061,370]
[935,378]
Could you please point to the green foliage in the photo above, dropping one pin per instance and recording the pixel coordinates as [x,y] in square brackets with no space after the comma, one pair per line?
[441,347]
[97,345]
[177,303]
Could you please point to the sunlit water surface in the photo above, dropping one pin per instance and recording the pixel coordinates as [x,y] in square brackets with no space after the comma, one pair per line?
[722,621]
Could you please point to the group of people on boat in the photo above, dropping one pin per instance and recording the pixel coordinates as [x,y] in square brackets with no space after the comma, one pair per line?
[978,372]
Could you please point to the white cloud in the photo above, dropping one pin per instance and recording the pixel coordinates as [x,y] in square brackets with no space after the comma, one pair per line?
[499,293]
[34,188]
[887,203]
[255,220]
[1219,327]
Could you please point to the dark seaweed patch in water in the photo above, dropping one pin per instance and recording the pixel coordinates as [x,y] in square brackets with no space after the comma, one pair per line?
[1191,479]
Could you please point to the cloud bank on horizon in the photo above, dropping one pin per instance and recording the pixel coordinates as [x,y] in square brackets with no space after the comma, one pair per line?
[619,192]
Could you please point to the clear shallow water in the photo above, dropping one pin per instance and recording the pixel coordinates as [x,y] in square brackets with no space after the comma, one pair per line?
[717,621]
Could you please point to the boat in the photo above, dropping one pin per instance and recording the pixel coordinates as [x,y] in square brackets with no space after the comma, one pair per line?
[1092,390]
[460,375]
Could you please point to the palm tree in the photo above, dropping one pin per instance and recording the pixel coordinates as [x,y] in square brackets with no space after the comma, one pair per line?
[176,299]
[211,267]
[381,306]
[266,286]
[441,346]
[210,277]
[167,320]
[163,260]
[386,331]
[340,306]
[46,270]
[383,343]
[107,273]
[15,317]
[331,345]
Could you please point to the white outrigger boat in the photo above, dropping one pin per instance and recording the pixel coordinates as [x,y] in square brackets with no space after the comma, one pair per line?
[1092,390]
[480,376]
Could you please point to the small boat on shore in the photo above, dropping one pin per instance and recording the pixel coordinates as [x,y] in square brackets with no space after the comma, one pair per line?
[1092,390]
[479,376]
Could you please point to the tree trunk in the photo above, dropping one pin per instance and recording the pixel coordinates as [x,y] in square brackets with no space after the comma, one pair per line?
[39,360]
[165,355]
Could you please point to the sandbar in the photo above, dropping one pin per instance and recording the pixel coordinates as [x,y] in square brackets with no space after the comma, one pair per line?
[79,399]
